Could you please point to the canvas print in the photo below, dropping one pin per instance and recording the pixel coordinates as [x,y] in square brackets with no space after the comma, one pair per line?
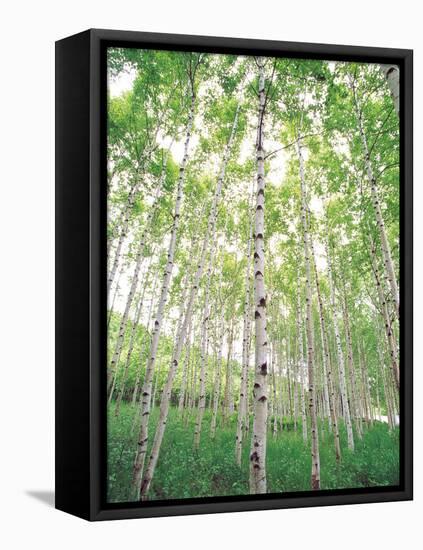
[253,275]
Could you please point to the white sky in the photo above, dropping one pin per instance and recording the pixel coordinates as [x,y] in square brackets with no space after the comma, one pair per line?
[122,83]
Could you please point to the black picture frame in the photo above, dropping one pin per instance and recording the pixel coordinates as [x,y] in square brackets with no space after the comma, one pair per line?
[81,269]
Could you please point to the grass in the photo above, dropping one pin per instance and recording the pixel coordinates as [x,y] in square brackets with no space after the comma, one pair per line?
[183,473]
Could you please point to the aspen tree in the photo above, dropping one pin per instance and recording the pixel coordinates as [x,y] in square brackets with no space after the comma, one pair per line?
[164,407]
[147,386]
[389,332]
[301,361]
[217,382]
[135,326]
[315,458]
[351,366]
[258,482]
[327,365]
[386,249]
[204,346]
[143,340]
[242,408]
[340,353]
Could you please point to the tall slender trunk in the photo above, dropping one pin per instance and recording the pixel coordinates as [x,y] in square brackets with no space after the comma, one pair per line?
[295,388]
[185,371]
[315,457]
[135,325]
[378,396]
[351,366]
[228,375]
[365,386]
[281,400]
[288,370]
[275,403]
[381,369]
[158,370]
[193,392]
[386,249]
[140,355]
[134,328]
[113,369]
[326,360]
[164,406]
[301,359]
[340,353]
[204,346]
[147,386]
[367,383]
[390,336]
[258,482]
[217,381]
[242,408]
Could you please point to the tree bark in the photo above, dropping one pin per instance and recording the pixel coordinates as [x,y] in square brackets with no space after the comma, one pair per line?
[164,406]
[134,328]
[217,382]
[390,336]
[140,362]
[301,360]
[386,249]
[147,386]
[185,371]
[228,374]
[340,353]
[392,75]
[258,482]
[351,366]
[327,365]
[315,457]
[242,408]
[204,347]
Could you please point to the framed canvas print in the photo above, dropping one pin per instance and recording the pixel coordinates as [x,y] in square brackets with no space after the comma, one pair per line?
[234,274]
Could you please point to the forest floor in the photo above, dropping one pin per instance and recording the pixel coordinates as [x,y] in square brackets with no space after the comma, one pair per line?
[183,473]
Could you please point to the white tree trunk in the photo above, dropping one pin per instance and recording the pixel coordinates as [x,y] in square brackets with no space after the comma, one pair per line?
[315,458]
[392,75]
[301,360]
[147,386]
[204,347]
[390,336]
[245,355]
[164,406]
[351,367]
[134,328]
[340,353]
[386,249]
[182,392]
[147,326]
[327,365]
[113,368]
[258,482]
[217,382]
[112,372]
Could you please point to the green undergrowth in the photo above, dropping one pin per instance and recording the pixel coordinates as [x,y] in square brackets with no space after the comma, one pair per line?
[212,471]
